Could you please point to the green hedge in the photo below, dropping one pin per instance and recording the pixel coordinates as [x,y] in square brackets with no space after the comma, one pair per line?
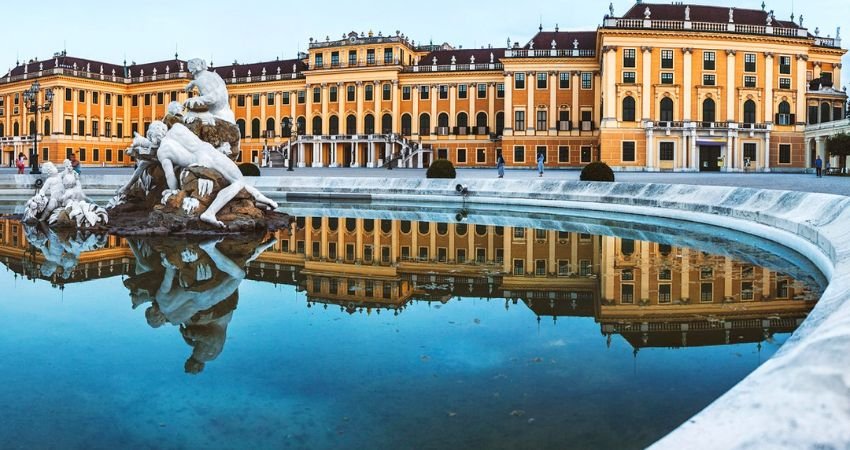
[249,170]
[597,171]
[441,168]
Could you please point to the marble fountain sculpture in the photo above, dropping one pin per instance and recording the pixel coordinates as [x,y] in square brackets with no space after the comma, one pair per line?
[187,179]
[61,202]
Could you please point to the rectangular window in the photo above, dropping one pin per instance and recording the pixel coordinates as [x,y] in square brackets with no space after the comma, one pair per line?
[587,80]
[628,151]
[782,288]
[519,80]
[665,274]
[749,62]
[749,152]
[666,151]
[119,129]
[784,153]
[460,255]
[708,61]
[785,65]
[708,79]
[541,149]
[405,93]
[68,95]
[480,255]
[317,95]
[563,267]
[586,154]
[94,128]
[334,59]
[388,56]
[107,99]
[706,292]
[749,81]
[302,97]
[95,155]
[173,96]
[134,128]
[405,253]
[270,98]
[540,267]
[481,155]
[423,253]
[135,100]
[284,98]
[350,93]
[519,267]
[147,99]
[68,124]
[120,155]
[81,96]
[628,78]
[82,154]
[461,156]
[627,294]
[666,59]
[500,90]
[442,153]
[442,254]
[629,58]
[784,83]
[519,120]
[160,98]
[542,80]
[746,290]
[424,92]
[385,254]
[240,100]
[370,56]
[563,154]
[667,78]
[519,153]
[95,98]
[386,92]
[333,94]
[585,267]
[320,61]
[120,100]
[444,92]
[482,90]
[352,58]
[627,275]
[542,119]
[462,91]
[564,80]
[68,152]
[81,127]
[665,293]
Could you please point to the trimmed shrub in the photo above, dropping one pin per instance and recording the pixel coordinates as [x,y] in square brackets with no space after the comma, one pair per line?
[597,171]
[441,168]
[249,170]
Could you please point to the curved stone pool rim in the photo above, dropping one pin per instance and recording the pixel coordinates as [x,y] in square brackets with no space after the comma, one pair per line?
[796,399]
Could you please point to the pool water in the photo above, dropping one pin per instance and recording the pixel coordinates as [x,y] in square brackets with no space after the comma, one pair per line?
[546,338]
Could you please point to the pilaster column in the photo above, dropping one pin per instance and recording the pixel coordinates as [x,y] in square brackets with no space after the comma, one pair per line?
[433,97]
[378,92]
[575,108]
[491,106]
[646,81]
[687,83]
[414,121]
[768,88]
[278,99]
[308,116]
[650,150]
[610,95]
[340,96]
[836,75]
[802,87]
[360,96]
[767,152]
[553,103]
[325,109]
[264,102]
[293,112]
[74,114]
[530,108]
[88,114]
[453,105]
[509,102]
[396,126]
[731,76]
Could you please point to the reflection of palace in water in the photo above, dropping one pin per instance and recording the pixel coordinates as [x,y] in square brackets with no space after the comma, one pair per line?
[652,294]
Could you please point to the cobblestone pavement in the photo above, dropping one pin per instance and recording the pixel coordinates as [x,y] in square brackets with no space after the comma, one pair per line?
[802,182]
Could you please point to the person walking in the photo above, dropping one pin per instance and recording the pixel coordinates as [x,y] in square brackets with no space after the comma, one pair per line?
[20,163]
[819,167]
[75,163]
[541,158]
[500,165]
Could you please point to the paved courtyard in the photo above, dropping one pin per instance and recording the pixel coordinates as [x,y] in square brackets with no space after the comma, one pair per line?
[801,182]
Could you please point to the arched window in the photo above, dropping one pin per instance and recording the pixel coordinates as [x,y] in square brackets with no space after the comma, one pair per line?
[317,125]
[627,246]
[404,226]
[708,110]
[749,111]
[369,122]
[351,124]
[666,109]
[386,124]
[350,224]
[424,124]
[481,120]
[628,109]
[32,128]
[783,117]
[333,125]
[241,124]
[462,120]
[47,130]
[386,226]
[500,123]
[443,120]
[286,127]
[255,128]
[270,126]
[424,227]
[825,112]
[301,123]
[406,125]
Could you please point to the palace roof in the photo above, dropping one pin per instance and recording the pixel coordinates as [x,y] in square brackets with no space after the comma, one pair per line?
[564,40]
[463,56]
[701,13]
[256,69]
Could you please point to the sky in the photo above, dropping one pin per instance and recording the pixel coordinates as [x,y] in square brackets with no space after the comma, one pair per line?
[261,30]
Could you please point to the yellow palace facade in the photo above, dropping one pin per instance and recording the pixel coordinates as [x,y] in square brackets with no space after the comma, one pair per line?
[661,87]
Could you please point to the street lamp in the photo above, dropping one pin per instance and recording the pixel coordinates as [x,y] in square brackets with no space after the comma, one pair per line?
[293,136]
[32,104]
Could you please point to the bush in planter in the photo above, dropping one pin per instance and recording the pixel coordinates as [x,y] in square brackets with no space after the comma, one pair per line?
[597,171]
[441,168]
[249,170]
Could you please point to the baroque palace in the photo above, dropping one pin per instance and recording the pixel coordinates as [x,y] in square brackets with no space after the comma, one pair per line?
[661,87]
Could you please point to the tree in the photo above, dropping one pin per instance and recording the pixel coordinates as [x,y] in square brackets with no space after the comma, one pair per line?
[839,145]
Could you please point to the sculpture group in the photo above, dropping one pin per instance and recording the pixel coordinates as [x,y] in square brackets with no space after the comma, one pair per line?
[186,178]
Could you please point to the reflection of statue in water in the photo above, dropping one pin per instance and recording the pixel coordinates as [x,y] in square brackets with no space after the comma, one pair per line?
[194,286]
[61,250]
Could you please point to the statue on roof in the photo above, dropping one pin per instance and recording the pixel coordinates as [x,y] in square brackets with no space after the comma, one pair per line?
[687,13]
[647,13]
[769,20]
[611,9]
[731,15]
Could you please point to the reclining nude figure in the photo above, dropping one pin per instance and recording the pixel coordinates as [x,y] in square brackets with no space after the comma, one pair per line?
[179,147]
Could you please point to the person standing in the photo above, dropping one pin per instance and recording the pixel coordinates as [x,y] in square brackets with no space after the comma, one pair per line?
[819,166]
[20,163]
[500,165]
[75,163]
[541,158]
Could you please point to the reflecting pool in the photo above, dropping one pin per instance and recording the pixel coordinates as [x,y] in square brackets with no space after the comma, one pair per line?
[386,329]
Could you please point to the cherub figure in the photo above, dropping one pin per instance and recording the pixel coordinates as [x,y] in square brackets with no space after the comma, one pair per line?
[48,198]
[212,102]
